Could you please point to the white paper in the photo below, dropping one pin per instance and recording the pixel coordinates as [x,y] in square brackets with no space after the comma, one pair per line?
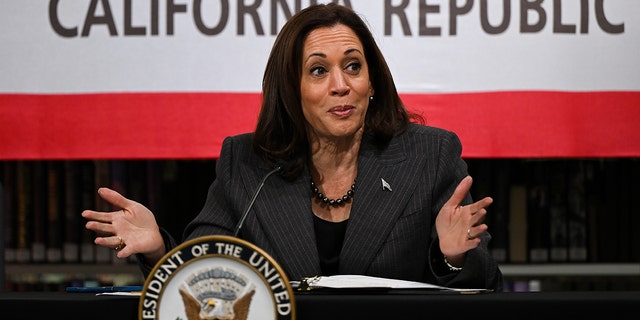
[362,281]
[120,293]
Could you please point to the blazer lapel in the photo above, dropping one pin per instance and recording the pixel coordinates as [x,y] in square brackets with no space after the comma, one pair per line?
[382,191]
[287,222]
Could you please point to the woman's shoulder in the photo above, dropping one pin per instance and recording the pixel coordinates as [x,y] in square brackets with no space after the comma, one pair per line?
[237,146]
[420,139]
[416,130]
[243,138]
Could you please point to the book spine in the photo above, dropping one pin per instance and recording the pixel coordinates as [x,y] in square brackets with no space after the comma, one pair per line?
[87,194]
[558,227]
[485,185]
[499,210]
[9,203]
[70,250]
[25,211]
[593,199]
[102,179]
[137,187]
[118,175]
[624,199]
[518,224]
[608,212]
[634,218]
[537,213]
[577,212]
[39,222]
[54,221]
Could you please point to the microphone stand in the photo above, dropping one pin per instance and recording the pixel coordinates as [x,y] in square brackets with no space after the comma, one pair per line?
[278,167]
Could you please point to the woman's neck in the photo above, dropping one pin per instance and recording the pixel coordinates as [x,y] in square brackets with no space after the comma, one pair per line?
[333,175]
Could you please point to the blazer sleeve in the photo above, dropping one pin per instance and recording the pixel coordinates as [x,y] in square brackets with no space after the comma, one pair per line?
[480,270]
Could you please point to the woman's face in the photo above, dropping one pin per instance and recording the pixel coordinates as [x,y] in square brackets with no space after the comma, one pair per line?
[335,86]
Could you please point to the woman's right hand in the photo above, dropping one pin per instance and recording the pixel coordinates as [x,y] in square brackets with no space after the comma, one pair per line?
[130,230]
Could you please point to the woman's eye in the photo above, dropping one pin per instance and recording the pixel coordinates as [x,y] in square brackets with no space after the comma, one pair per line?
[354,67]
[318,71]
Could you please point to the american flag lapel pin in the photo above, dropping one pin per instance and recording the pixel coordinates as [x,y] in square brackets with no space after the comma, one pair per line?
[385,185]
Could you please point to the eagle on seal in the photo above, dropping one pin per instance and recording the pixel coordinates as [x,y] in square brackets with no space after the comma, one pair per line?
[193,308]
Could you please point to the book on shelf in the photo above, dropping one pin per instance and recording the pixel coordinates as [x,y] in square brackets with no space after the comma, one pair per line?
[70,245]
[489,181]
[138,189]
[628,211]
[634,217]
[55,180]
[174,184]
[499,227]
[153,184]
[623,198]
[39,222]
[9,210]
[518,249]
[102,179]
[136,184]
[608,211]
[119,181]
[577,212]
[558,234]
[87,202]
[2,220]
[537,213]
[593,199]
[24,220]
[558,227]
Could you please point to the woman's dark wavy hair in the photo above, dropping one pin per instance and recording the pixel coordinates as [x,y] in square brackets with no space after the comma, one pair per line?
[280,132]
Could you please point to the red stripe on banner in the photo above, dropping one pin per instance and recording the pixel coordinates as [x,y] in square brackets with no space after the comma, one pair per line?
[533,124]
[192,125]
[123,125]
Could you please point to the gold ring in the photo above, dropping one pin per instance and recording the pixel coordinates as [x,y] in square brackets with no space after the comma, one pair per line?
[469,234]
[120,245]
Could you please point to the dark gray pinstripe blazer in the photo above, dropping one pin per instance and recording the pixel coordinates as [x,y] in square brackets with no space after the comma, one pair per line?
[390,233]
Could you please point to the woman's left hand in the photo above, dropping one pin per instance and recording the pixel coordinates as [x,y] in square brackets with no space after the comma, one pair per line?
[459,227]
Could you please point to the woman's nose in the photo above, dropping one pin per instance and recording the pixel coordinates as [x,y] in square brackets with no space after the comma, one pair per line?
[339,84]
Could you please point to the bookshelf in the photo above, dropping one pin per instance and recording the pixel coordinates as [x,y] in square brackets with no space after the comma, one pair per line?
[562,223]
[575,227]
[49,217]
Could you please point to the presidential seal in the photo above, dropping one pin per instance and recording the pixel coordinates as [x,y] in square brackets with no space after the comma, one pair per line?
[217,277]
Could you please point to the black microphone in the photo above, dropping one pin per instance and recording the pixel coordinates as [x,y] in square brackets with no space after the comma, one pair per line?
[279,167]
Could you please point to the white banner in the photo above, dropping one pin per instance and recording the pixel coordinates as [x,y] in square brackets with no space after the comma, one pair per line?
[432,46]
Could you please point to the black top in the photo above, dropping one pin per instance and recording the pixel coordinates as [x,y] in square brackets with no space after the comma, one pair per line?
[329,237]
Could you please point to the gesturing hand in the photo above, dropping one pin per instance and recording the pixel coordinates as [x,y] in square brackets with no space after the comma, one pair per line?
[459,226]
[132,229]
